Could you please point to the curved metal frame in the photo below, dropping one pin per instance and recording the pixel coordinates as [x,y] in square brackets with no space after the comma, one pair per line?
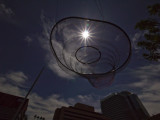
[51,44]
[92,61]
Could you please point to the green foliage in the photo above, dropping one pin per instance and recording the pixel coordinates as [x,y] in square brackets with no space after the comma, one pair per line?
[152,57]
[154,9]
[146,24]
[151,27]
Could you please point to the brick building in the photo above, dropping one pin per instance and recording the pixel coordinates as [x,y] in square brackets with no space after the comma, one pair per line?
[78,112]
[9,105]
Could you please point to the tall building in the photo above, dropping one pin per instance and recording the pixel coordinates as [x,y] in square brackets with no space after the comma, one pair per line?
[9,105]
[155,117]
[78,112]
[123,106]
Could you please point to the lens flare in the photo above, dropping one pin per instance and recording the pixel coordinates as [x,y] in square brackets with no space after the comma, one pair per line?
[85,34]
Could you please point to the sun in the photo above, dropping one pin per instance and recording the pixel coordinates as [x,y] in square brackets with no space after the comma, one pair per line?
[85,34]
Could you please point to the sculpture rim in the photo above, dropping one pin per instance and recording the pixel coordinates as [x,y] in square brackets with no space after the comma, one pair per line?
[95,20]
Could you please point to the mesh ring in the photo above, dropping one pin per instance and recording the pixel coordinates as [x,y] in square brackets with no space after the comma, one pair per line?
[94,61]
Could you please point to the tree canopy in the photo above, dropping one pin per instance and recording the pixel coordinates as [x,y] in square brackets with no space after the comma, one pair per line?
[151,28]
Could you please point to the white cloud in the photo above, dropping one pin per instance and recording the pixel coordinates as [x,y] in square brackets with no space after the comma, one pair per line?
[64,54]
[28,39]
[5,11]
[92,100]
[10,83]
[137,36]
[150,86]
[147,72]
[18,77]
[46,107]
[47,25]
[38,105]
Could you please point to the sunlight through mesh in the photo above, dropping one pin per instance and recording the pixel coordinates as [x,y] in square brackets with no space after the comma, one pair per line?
[93,49]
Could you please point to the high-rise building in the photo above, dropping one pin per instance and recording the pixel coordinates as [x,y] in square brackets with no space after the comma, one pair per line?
[155,117]
[9,104]
[78,112]
[123,106]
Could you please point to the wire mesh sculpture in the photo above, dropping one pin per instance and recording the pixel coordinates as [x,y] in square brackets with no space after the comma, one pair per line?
[93,49]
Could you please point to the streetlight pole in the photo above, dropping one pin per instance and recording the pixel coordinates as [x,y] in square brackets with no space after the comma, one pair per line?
[22,104]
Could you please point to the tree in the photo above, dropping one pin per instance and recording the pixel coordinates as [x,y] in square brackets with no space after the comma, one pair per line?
[151,28]
[36,117]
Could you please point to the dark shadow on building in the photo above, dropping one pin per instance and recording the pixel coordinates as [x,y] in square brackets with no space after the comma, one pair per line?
[9,105]
[123,106]
[155,117]
[78,112]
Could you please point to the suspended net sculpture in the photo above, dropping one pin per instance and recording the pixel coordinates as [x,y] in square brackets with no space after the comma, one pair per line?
[93,49]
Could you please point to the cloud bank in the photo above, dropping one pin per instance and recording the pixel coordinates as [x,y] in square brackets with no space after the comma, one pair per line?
[5,11]
[44,37]
[38,105]
[149,83]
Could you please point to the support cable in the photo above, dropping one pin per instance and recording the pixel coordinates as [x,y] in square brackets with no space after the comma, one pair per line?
[99,7]
[23,103]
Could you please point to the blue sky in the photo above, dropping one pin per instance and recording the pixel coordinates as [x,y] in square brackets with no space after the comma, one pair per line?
[24,33]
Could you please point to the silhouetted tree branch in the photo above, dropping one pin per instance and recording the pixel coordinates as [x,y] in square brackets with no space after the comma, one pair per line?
[151,27]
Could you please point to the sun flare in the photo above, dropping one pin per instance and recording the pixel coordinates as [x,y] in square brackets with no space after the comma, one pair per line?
[85,34]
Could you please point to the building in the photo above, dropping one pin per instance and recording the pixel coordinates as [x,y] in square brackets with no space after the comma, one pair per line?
[155,117]
[123,106]
[78,112]
[9,105]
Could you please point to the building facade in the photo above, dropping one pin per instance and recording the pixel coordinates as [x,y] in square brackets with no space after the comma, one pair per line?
[9,105]
[78,112]
[123,106]
[155,117]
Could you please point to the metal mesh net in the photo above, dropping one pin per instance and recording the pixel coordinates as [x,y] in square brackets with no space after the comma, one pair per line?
[93,49]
